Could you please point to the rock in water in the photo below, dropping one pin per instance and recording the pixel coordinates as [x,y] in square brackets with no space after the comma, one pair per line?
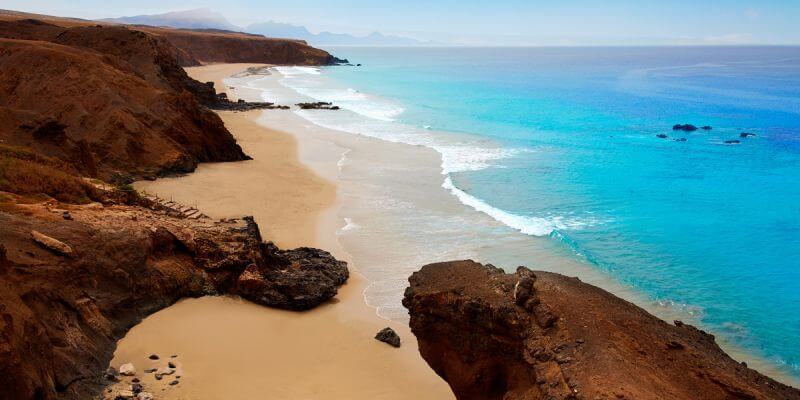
[389,336]
[540,335]
[684,127]
[127,369]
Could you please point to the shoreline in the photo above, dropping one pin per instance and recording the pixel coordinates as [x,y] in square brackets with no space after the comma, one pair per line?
[311,141]
[372,153]
[295,206]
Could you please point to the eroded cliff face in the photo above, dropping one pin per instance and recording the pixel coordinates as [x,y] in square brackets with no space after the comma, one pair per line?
[72,284]
[539,335]
[110,101]
[233,47]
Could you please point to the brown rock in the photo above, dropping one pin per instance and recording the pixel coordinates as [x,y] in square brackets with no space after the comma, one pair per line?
[539,335]
[52,244]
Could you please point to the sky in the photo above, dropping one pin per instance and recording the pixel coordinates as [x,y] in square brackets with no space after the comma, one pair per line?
[498,22]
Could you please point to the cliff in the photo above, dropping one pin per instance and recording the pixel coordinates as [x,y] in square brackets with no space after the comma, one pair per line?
[539,335]
[193,47]
[110,101]
[80,264]
[210,46]
[75,278]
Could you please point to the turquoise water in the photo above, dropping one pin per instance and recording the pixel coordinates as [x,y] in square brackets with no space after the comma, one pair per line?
[699,224]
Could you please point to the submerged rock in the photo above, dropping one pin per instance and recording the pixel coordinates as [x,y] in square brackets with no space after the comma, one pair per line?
[732,141]
[661,136]
[684,127]
[388,336]
[746,134]
[319,105]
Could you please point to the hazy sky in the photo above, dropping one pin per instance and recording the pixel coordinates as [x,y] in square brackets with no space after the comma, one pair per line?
[490,22]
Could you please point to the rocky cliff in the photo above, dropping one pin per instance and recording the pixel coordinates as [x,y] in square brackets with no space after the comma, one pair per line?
[193,47]
[75,278]
[539,335]
[110,101]
[232,47]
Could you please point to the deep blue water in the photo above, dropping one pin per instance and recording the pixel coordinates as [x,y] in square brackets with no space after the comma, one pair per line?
[699,224]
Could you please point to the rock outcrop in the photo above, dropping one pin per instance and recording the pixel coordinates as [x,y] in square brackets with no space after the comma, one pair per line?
[539,335]
[109,101]
[62,311]
[189,47]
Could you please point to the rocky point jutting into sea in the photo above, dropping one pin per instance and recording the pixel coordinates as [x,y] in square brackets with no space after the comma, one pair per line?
[87,108]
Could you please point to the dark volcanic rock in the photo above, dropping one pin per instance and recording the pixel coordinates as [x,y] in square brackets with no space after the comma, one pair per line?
[746,134]
[60,317]
[684,127]
[320,105]
[707,128]
[539,335]
[388,336]
[297,279]
[661,136]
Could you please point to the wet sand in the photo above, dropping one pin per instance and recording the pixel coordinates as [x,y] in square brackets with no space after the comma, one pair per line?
[231,349]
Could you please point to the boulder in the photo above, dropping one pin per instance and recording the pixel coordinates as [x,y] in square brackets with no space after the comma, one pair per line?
[111,374]
[388,336]
[127,369]
[746,134]
[52,244]
[297,279]
[661,136]
[125,394]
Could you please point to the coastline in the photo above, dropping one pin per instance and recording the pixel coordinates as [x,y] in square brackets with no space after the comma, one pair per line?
[406,181]
[327,154]
[222,342]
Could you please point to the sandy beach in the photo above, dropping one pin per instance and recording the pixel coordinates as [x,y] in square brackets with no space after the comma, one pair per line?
[228,348]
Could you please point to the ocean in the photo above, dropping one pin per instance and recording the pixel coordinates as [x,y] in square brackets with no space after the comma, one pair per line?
[550,158]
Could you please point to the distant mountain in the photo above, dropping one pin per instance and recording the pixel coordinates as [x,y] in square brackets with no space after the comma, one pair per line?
[282,30]
[202,18]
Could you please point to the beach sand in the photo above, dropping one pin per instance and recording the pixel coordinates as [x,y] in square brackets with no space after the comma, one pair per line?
[228,348]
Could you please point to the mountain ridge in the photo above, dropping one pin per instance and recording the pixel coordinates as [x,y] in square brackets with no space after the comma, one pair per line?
[204,18]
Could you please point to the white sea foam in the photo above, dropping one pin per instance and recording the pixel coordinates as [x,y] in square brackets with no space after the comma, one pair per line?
[288,71]
[373,116]
[349,225]
[527,225]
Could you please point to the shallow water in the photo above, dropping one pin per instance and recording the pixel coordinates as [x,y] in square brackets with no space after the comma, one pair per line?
[549,158]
